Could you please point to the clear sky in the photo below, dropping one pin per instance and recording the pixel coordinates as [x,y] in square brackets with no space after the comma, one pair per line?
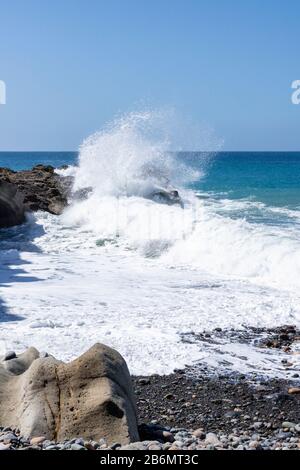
[71,65]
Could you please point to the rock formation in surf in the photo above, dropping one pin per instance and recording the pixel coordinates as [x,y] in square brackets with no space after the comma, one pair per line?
[41,187]
[91,397]
[166,196]
[12,210]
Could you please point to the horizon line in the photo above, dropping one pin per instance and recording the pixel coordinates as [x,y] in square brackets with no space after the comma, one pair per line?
[172,151]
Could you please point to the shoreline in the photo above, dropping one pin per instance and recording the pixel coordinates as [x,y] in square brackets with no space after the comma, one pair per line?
[200,408]
[180,412]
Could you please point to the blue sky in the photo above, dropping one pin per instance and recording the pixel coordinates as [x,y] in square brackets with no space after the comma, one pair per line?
[71,65]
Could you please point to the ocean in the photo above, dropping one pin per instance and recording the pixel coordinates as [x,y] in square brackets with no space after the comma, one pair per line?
[149,278]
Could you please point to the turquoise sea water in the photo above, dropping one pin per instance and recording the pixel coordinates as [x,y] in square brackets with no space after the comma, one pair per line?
[26,160]
[269,177]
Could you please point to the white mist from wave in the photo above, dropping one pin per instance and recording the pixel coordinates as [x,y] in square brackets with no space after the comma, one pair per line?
[131,158]
[119,169]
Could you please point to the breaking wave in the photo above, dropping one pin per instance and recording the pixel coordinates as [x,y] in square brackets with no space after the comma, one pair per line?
[123,167]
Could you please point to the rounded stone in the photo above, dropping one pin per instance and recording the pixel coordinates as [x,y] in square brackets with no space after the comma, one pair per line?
[154,447]
[199,433]
[288,424]
[37,440]
[77,447]
[168,436]
[4,446]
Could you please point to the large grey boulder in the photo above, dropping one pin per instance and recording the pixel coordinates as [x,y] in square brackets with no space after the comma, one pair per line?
[91,397]
[12,210]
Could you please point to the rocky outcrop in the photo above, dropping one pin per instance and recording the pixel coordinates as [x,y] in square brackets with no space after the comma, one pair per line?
[165,196]
[42,188]
[12,210]
[91,397]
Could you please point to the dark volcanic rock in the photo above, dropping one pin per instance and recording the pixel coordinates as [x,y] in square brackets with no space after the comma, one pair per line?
[41,187]
[12,210]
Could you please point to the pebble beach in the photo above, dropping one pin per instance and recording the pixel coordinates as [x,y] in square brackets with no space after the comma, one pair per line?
[179,412]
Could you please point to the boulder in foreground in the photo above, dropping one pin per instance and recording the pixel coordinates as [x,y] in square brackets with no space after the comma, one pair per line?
[91,397]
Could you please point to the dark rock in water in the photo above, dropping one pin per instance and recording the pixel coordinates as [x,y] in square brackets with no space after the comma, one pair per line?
[281,337]
[169,197]
[41,187]
[12,210]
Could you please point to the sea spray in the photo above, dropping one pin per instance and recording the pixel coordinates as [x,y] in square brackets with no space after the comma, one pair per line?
[122,164]
[131,156]
[119,168]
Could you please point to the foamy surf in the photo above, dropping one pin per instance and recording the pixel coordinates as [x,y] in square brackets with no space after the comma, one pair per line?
[139,275]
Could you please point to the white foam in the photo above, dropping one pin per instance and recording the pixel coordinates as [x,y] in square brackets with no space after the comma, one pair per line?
[121,269]
[256,252]
[85,293]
